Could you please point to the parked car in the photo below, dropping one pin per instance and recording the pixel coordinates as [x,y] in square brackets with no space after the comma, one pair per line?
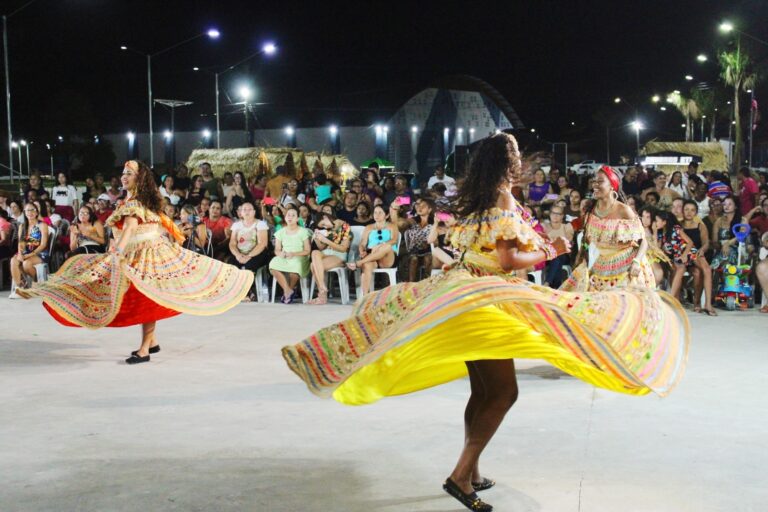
[586,167]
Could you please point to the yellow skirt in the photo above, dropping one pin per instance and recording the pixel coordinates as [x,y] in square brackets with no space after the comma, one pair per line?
[418,335]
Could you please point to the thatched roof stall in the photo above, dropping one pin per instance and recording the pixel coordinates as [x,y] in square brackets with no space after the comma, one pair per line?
[712,154]
[265,160]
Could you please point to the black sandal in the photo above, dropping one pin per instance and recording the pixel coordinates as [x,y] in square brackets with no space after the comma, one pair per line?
[152,350]
[137,359]
[471,501]
[483,485]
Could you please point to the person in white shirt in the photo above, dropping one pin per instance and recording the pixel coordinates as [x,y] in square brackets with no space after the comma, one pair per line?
[440,177]
[65,198]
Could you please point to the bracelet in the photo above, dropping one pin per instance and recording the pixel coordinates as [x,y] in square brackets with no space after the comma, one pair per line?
[549,251]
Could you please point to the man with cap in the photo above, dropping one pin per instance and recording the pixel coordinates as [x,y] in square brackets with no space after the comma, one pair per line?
[103,207]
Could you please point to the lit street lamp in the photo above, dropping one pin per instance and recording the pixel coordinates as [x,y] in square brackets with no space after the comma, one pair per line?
[637,126]
[211,34]
[23,143]
[701,57]
[266,49]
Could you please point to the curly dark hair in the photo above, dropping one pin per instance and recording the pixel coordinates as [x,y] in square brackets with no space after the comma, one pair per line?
[146,190]
[488,168]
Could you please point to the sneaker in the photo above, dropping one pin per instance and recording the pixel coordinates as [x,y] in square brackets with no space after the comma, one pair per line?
[14,295]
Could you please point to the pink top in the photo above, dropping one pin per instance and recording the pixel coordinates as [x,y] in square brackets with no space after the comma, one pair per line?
[747,197]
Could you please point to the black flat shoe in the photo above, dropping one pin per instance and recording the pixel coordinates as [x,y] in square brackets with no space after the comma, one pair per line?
[471,501]
[152,350]
[483,485]
[135,359]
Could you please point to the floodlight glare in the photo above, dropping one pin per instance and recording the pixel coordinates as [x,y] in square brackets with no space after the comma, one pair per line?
[207,133]
[333,129]
[269,48]
[213,33]
[195,68]
[656,98]
[14,145]
[688,77]
[726,27]
[617,100]
[245,93]
[701,57]
[123,47]
[168,134]
[637,126]
[414,129]
[289,131]
[131,136]
[23,142]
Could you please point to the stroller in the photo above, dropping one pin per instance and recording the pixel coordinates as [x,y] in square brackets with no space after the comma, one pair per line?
[734,290]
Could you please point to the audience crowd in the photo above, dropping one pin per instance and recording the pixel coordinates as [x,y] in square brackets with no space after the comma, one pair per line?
[300,229]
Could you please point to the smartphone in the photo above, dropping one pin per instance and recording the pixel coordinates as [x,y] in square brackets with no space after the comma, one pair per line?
[402,200]
[268,201]
[444,216]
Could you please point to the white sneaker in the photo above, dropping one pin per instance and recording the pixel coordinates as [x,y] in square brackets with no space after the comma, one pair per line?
[14,295]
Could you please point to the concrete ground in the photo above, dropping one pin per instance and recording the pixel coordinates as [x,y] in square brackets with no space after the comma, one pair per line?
[216,422]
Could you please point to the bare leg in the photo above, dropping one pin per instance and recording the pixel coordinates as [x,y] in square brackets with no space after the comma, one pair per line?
[282,281]
[677,280]
[147,339]
[658,274]
[706,276]
[476,397]
[16,271]
[367,276]
[318,272]
[762,277]
[698,284]
[500,384]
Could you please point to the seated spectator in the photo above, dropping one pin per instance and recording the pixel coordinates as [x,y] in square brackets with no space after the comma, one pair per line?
[748,190]
[578,223]
[34,189]
[400,194]
[16,211]
[677,209]
[700,196]
[416,235]
[6,235]
[278,184]
[33,247]
[196,191]
[249,241]
[377,248]
[332,238]
[221,229]
[292,250]
[757,217]
[88,193]
[675,183]
[182,178]
[441,177]
[170,211]
[697,232]
[103,208]
[573,208]
[98,184]
[291,194]
[654,253]
[258,187]
[114,191]
[540,191]
[555,228]
[443,253]
[356,186]
[719,185]
[762,269]
[362,215]
[306,219]
[195,232]
[564,190]
[86,234]
[371,186]
[322,193]
[65,198]
[348,210]
[204,208]
[227,182]
[724,241]
[676,245]
[652,198]
[211,184]
[438,192]
[167,188]
[236,194]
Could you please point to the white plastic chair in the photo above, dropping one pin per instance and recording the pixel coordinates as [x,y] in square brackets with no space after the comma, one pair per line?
[536,276]
[390,272]
[42,269]
[342,272]
[209,244]
[303,283]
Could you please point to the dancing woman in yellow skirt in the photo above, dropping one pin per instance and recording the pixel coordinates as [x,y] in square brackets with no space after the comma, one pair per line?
[475,319]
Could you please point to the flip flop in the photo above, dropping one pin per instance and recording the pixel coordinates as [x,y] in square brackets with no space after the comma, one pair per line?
[709,312]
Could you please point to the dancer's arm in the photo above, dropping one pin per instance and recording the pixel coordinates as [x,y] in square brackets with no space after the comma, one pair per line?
[510,258]
[130,224]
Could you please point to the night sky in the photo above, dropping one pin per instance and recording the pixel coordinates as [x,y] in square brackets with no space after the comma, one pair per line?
[356,62]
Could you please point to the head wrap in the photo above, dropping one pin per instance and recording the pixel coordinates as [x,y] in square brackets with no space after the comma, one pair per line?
[132,165]
[612,177]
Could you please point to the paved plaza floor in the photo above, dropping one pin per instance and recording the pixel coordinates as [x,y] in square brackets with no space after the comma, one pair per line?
[216,422]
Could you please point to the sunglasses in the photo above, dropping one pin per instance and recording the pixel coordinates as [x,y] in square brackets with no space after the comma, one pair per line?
[380,235]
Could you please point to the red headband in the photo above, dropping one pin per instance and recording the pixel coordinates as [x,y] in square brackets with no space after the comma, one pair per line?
[612,177]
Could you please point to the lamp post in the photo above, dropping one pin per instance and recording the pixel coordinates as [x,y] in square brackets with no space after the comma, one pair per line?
[50,152]
[211,33]
[172,104]
[266,49]
[24,144]
[246,93]
[637,126]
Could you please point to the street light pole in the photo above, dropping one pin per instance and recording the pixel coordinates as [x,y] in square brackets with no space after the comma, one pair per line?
[149,87]
[8,94]
[218,126]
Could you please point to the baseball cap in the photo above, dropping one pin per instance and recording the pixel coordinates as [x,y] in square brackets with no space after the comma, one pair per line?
[104,197]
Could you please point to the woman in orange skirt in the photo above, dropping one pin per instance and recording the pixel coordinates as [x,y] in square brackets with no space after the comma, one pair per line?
[144,278]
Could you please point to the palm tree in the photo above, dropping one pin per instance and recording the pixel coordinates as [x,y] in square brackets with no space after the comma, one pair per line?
[690,110]
[705,100]
[734,69]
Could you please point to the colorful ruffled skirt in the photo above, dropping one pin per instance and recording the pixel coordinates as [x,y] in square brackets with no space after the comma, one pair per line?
[154,280]
[610,270]
[413,336]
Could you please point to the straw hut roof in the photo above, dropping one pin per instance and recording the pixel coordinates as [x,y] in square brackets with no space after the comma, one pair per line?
[712,154]
[266,160]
